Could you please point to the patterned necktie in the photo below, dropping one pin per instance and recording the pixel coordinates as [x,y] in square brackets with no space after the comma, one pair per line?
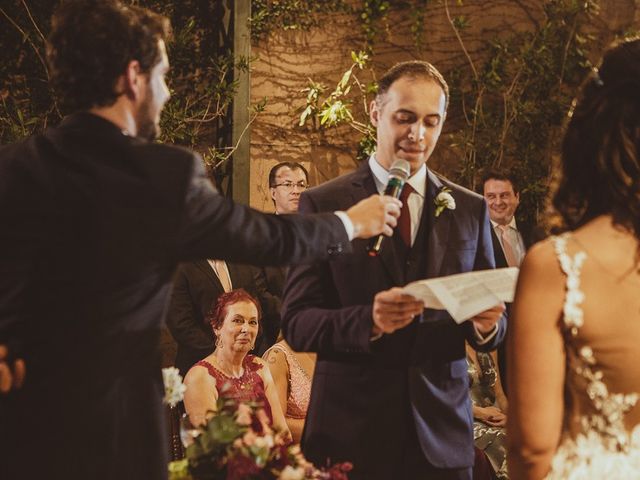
[404,221]
[507,246]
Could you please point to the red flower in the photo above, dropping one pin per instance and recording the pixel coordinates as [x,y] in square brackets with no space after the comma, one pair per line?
[240,467]
[279,457]
[339,471]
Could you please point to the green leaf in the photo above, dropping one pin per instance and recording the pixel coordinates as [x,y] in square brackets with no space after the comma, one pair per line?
[345,78]
[303,117]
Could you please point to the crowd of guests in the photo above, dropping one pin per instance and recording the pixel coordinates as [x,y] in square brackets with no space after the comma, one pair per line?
[219,316]
[213,297]
[286,376]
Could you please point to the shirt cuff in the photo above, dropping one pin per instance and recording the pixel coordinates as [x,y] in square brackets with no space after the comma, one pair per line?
[348,224]
[481,339]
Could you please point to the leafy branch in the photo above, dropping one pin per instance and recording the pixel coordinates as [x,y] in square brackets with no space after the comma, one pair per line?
[336,109]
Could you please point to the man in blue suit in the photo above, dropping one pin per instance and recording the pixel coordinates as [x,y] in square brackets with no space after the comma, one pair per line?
[390,389]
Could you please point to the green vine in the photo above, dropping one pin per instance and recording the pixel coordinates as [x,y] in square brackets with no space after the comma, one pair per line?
[507,105]
[201,80]
[514,103]
[271,15]
[373,14]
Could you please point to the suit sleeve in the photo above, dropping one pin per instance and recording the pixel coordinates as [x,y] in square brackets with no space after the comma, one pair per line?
[485,260]
[213,226]
[313,318]
[271,305]
[182,319]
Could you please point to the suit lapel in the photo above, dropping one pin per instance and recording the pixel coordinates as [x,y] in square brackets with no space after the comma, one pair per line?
[439,232]
[209,273]
[363,186]
[498,253]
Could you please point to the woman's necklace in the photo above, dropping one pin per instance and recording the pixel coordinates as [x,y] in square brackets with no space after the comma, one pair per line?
[228,369]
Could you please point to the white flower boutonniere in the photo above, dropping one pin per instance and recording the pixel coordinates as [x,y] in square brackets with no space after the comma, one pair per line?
[173,387]
[443,200]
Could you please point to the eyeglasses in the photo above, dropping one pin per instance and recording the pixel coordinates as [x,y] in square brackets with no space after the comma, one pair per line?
[291,185]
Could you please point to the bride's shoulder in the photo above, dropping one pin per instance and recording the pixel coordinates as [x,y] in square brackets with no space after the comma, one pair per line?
[541,269]
[543,255]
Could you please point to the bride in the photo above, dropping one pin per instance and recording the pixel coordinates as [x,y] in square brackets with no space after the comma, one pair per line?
[574,352]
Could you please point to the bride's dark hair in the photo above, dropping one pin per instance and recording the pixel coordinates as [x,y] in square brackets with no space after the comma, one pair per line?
[601,148]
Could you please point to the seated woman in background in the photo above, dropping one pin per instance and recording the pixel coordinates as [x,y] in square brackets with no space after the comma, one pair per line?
[489,409]
[230,370]
[292,374]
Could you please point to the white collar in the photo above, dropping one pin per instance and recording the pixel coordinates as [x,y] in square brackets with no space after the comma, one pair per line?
[381,176]
[511,224]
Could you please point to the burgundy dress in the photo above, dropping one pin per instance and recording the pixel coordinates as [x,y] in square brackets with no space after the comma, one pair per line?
[249,388]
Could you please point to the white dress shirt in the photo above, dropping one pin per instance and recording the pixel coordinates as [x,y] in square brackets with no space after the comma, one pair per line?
[416,198]
[221,270]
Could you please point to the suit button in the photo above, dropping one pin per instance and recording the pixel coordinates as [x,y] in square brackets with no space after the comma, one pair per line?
[335,249]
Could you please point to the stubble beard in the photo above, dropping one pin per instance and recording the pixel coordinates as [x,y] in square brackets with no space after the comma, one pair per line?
[145,120]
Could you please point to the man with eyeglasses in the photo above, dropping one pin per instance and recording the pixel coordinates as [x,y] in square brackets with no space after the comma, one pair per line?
[287,181]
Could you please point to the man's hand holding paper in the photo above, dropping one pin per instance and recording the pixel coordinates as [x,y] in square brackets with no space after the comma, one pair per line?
[394,309]
[478,296]
[485,322]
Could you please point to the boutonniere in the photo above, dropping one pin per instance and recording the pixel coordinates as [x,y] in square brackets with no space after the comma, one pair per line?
[443,200]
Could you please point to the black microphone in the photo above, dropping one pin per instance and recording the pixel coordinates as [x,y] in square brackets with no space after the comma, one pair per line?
[398,175]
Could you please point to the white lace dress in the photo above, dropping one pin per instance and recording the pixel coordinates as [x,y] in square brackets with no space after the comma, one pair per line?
[602,448]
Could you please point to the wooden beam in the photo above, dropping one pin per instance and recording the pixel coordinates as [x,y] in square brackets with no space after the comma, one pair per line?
[242,102]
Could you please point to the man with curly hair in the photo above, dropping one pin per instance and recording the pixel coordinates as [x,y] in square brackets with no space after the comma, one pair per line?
[95,219]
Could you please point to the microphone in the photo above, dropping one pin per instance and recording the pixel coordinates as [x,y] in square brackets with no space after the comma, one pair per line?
[398,175]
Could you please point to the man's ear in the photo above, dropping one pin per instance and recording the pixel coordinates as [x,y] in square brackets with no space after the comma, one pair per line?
[374,113]
[132,80]
[272,191]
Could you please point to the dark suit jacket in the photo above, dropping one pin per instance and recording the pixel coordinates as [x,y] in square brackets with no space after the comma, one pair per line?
[529,236]
[368,398]
[195,289]
[94,224]
[273,278]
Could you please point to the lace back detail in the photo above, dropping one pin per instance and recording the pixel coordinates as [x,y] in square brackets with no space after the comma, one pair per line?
[603,445]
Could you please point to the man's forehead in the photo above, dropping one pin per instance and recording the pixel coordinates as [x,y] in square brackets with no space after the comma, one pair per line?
[285,170]
[415,92]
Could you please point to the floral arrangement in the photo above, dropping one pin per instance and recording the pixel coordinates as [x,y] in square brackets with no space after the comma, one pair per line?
[237,443]
[443,200]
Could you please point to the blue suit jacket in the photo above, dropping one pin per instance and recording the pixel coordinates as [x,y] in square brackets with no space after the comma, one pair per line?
[367,397]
